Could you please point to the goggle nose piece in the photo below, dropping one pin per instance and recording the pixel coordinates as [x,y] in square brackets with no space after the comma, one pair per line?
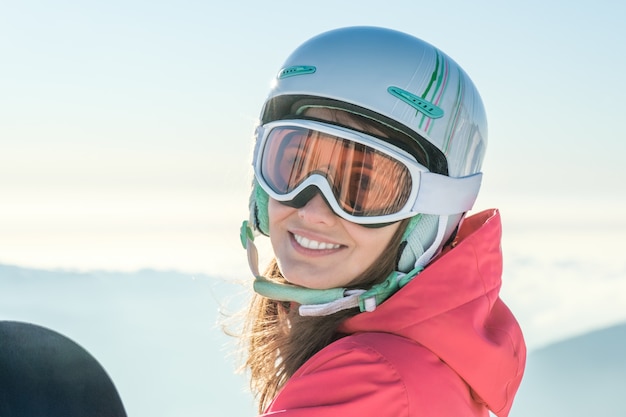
[311,191]
[304,197]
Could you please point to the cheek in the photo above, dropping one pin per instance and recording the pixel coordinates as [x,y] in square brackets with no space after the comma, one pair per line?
[375,240]
[276,212]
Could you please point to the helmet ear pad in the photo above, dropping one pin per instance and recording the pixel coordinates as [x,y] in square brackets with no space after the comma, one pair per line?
[418,236]
[259,200]
[424,238]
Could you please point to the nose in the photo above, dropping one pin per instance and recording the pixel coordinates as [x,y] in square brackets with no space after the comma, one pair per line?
[317,210]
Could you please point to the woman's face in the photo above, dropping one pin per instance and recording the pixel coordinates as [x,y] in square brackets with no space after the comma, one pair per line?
[314,247]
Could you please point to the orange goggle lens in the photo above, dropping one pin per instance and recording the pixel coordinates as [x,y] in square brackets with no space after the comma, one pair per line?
[364,181]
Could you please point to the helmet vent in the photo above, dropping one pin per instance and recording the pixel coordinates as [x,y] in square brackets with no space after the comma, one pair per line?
[423,106]
[296,70]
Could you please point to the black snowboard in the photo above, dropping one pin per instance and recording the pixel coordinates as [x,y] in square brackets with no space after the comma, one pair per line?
[45,374]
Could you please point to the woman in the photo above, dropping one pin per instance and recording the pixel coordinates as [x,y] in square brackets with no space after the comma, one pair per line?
[382,298]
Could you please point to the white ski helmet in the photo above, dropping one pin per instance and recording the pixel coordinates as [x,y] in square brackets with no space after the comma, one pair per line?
[404,84]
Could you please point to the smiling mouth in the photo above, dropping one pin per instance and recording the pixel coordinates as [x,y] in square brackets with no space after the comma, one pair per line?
[314,244]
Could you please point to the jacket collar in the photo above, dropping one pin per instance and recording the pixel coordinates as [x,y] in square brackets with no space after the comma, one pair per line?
[453,309]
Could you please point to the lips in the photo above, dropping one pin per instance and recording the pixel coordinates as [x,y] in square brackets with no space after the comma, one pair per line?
[314,244]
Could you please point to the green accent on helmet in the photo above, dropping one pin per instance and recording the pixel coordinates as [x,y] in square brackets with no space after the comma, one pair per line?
[423,106]
[455,117]
[436,81]
[434,76]
[296,70]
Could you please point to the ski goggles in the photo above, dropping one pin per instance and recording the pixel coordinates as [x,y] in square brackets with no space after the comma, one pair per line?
[363,178]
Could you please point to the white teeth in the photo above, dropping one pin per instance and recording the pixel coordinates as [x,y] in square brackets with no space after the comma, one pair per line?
[314,244]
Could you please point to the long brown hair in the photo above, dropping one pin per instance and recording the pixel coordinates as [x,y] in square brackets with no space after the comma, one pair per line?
[277,340]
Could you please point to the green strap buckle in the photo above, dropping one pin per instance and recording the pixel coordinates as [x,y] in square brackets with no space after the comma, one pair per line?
[370,299]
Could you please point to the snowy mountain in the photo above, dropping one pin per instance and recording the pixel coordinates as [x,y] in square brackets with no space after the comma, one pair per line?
[581,376]
[156,334]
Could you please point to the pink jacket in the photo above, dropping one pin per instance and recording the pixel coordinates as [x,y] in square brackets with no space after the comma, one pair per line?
[444,345]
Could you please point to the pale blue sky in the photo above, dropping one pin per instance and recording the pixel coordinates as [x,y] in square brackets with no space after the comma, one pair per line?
[125,125]
[125,131]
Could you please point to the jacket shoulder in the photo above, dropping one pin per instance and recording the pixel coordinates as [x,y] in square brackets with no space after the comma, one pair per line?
[375,374]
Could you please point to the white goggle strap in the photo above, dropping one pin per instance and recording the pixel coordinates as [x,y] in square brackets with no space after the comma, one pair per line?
[443,195]
[349,299]
[436,192]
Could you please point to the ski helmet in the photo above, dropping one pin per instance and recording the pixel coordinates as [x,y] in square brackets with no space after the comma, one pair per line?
[405,85]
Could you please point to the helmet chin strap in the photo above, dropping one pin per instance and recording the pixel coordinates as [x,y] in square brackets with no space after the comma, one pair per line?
[323,302]
[313,302]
